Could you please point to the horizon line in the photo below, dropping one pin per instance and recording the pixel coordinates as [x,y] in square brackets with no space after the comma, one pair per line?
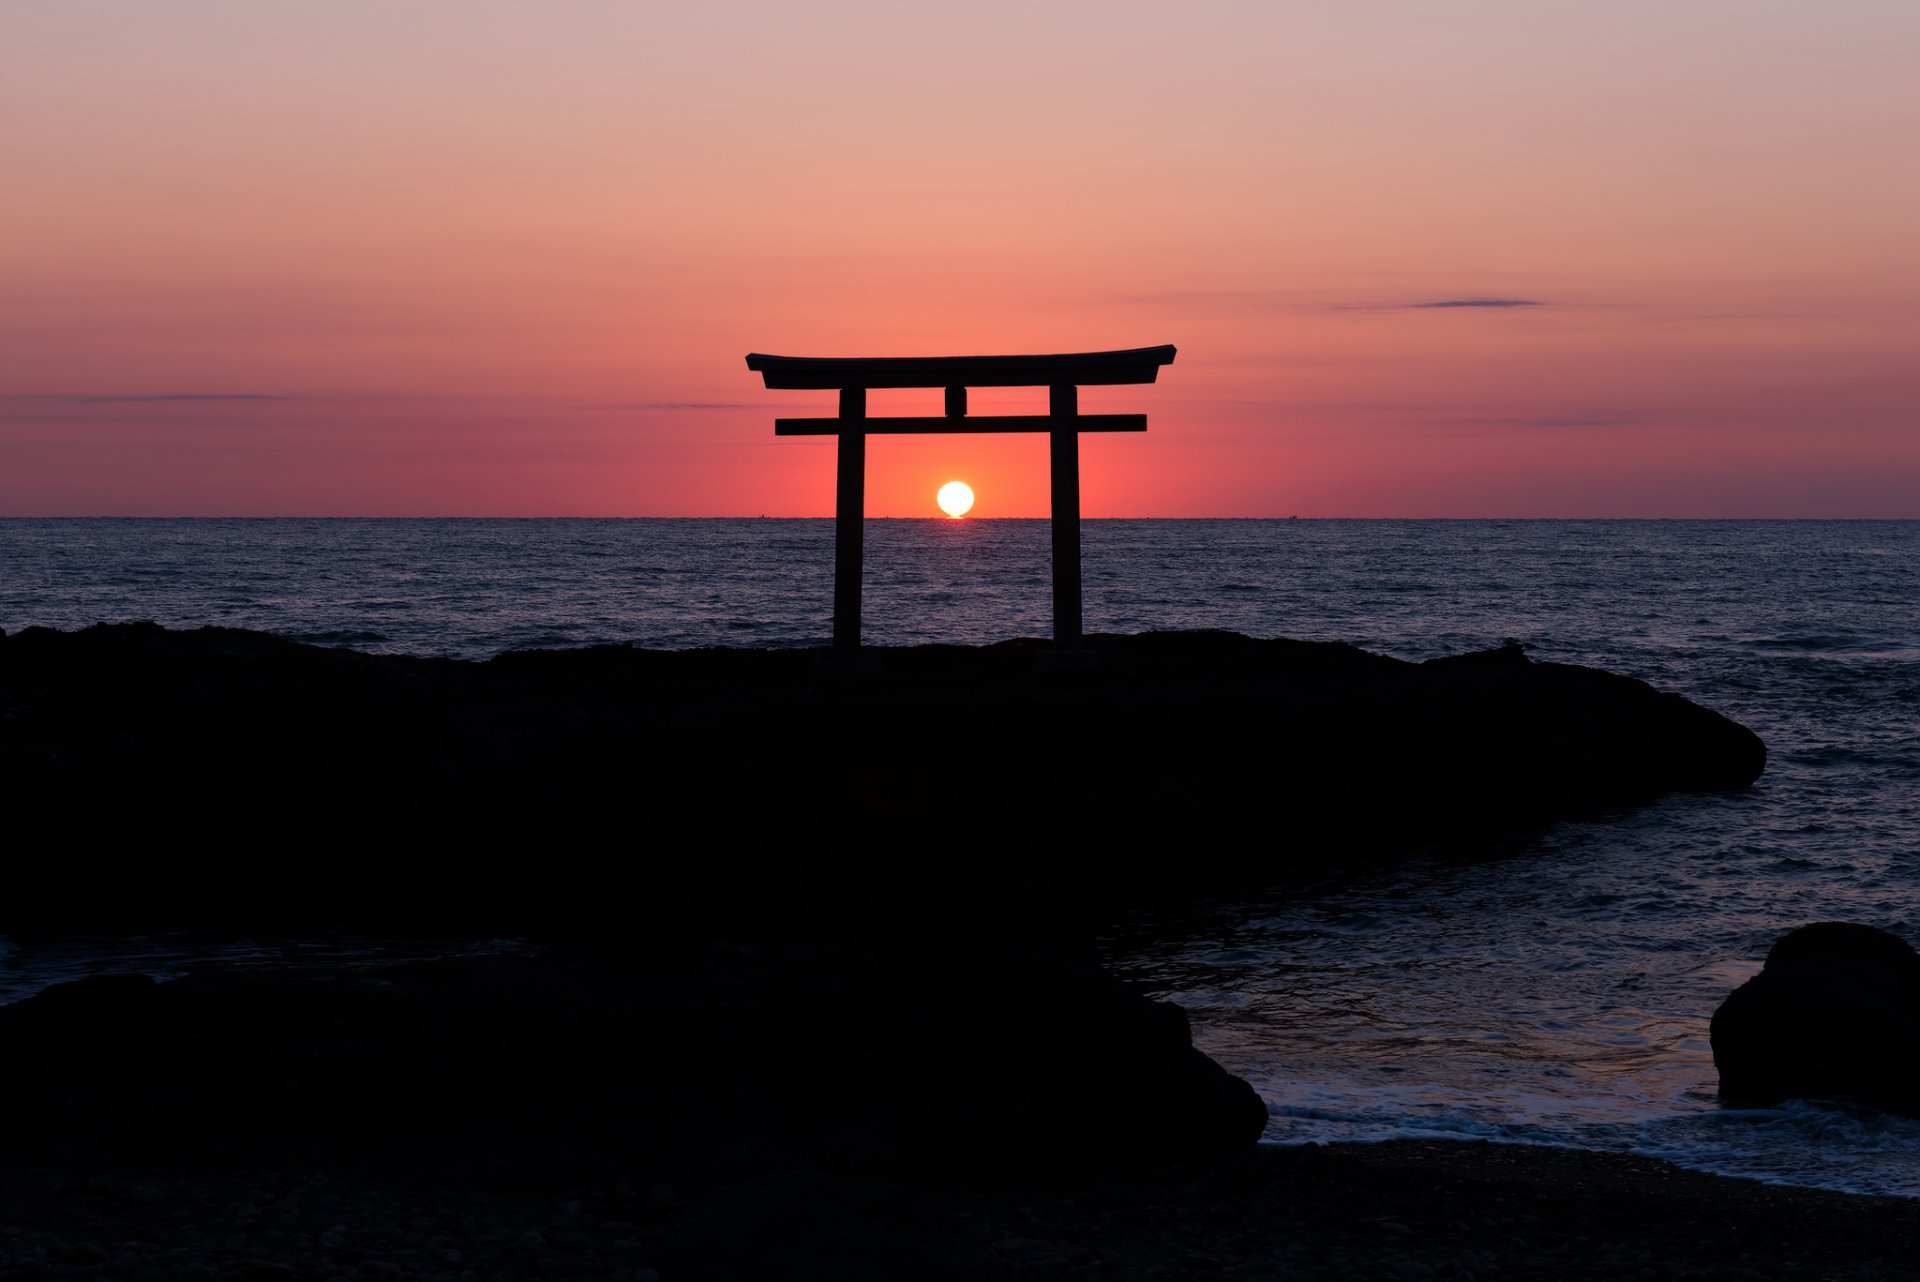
[944,520]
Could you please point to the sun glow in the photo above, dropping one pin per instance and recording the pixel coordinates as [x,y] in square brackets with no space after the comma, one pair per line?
[955,498]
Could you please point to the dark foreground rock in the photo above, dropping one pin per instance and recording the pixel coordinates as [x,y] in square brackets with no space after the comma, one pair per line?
[725,1116]
[903,1056]
[284,780]
[1834,1012]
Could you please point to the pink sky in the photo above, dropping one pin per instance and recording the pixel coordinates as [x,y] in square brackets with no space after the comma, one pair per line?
[324,258]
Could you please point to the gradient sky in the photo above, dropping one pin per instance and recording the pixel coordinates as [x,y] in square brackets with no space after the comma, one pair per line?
[1481,258]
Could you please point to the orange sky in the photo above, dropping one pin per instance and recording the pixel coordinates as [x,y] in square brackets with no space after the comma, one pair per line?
[481,258]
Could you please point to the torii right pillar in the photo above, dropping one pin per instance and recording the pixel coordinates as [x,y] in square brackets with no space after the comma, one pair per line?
[1063,407]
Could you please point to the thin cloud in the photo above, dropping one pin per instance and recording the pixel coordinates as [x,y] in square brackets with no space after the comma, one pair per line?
[1477,302]
[684,405]
[146,398]
[1597,418]
[1263,300]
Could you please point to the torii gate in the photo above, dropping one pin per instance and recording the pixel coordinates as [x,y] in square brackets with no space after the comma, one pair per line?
[1062,376]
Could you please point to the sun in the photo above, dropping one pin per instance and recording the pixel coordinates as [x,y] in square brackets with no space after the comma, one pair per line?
[955,498]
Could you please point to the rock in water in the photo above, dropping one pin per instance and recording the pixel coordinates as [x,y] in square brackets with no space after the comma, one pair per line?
[1834,1012]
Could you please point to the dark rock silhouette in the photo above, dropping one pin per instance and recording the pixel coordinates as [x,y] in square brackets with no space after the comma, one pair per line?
[1834,1012]
[942,1056]
[1033,1058]
[611,781]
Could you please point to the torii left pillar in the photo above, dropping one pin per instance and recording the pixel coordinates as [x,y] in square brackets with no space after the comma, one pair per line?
[849,517]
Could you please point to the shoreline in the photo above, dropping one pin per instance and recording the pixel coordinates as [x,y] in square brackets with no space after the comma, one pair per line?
[1403,1209]
[595,1114]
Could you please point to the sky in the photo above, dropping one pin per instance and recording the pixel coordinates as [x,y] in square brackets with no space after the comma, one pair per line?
[1488,258]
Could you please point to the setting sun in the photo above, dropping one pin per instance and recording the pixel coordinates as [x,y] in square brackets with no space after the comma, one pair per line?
[955,498]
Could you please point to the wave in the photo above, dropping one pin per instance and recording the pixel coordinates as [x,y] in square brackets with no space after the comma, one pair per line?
[1822,1144]
[1826,1144]
[337,636]
[1815,641]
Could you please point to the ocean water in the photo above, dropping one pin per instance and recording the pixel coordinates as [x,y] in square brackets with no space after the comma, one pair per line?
[1554,994]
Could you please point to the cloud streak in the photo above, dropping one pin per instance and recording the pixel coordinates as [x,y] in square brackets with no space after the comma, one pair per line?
[1264,300]
[1595,418]
[152,398]
[1476,302]
[682,405]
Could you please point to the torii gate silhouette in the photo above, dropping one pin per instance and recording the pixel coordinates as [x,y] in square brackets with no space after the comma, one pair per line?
[1062,375]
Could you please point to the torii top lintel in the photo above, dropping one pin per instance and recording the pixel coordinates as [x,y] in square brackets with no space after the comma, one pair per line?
[1067,369]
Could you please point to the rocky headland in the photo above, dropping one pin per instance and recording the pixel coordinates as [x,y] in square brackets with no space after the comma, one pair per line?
[270,779]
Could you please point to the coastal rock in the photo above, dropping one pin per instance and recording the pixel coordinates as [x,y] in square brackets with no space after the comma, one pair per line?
[1024,1060]
[1167,764]
[1835,1011]
[936,1053]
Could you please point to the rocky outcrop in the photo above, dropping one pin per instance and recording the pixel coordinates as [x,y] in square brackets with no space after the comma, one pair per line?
[413,788]
[1835,1012]
[1031,1059]
[935,1056]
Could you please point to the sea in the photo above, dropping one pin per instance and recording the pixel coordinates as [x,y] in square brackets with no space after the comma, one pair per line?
[1557,993]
